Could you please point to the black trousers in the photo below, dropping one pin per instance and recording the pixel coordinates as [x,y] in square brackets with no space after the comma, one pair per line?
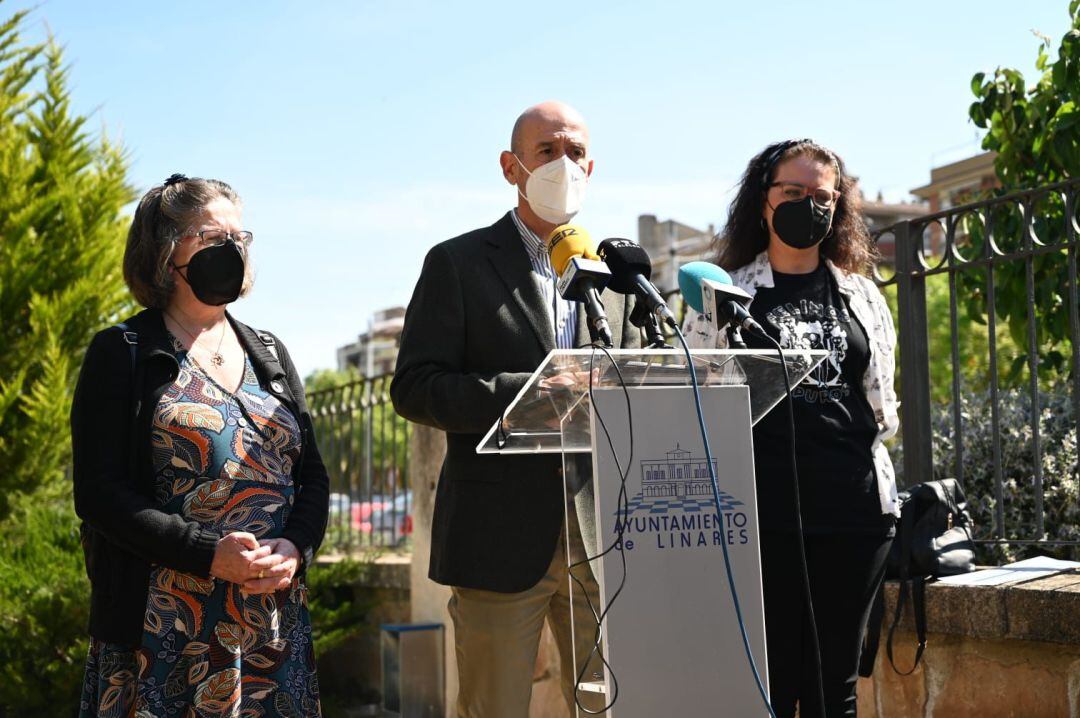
[845,571]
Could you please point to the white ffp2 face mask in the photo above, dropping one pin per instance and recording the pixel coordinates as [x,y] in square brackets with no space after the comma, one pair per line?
[554,190]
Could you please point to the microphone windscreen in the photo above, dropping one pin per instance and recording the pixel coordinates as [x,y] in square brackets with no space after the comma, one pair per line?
[566,242]
[626,259]
[690,276]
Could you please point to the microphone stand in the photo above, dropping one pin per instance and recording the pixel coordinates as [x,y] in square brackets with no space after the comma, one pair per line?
[642,318]
[734,337]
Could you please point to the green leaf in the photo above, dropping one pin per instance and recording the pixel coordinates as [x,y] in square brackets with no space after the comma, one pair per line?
[977,115]
[1058,76]
[1016,369]
[977,83]
[1066,116]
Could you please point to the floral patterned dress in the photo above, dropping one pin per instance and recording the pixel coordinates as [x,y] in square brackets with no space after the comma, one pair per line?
[224,460]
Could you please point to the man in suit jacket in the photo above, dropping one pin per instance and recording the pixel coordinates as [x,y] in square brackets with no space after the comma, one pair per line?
[483,316]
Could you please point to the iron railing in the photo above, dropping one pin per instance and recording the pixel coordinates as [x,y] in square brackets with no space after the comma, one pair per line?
[972,245]
[364,444]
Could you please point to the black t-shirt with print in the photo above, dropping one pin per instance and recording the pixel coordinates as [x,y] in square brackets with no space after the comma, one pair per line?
[834,423]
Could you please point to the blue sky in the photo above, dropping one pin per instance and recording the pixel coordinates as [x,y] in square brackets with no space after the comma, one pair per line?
[361,133]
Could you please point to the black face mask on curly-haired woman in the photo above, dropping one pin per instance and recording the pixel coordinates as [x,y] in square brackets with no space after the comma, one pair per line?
[798,211]
[801,224]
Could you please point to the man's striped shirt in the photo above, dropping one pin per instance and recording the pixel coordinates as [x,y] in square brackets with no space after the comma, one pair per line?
[561,313]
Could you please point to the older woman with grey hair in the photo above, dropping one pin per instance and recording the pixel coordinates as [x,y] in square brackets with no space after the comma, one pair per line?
[198,480]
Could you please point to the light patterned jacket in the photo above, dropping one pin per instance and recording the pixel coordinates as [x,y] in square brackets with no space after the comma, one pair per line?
[873,314]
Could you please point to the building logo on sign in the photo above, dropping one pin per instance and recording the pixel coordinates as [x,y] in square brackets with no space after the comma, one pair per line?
[676,504]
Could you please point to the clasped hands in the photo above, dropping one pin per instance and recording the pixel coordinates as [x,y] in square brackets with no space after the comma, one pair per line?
[257,566]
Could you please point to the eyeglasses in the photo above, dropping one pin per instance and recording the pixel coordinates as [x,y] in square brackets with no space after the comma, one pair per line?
[794,192]
[218,237]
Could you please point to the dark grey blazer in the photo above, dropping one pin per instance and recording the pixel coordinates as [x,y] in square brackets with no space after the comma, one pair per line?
[475,330]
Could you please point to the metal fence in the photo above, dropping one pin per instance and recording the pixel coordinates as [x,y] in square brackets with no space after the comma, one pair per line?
[1027,237]
[365,447]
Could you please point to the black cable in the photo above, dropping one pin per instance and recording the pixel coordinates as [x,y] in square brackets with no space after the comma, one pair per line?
[623,513]
[814,642]
[720,510]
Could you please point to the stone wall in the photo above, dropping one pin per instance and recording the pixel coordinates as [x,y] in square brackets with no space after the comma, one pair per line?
[426,450]
[427,447]
[1011,651]
[961,676]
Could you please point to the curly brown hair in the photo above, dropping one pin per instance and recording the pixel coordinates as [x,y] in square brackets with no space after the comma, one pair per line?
[848,244]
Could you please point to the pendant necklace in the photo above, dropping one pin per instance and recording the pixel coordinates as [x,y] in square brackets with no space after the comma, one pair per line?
[216,357]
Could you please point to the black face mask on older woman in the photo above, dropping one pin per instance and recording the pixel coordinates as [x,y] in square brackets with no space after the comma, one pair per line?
[802,224]
[215,274]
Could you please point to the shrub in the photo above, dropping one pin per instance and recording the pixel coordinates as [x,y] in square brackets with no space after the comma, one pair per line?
[1061,498]
[338,609]
[44,607]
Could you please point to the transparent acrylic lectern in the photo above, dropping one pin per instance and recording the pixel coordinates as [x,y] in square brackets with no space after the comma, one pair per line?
[649,560]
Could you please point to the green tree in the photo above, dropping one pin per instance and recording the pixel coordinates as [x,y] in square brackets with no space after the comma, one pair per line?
[322,379]
[972,340]
[61,244]
[1036,133]
[62,193]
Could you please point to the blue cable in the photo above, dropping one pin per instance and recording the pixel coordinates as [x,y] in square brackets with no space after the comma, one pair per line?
[720,510]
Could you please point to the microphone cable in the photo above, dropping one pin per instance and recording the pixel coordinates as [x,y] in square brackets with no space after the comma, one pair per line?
[720,511]
[814,641]
[623,514]
[800,540]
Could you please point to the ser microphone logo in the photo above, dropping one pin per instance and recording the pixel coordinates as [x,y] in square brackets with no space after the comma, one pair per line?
[558,235]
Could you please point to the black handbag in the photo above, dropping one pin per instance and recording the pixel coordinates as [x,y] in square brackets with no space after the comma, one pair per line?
[933,539]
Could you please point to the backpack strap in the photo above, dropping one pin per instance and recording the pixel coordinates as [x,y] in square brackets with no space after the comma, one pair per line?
[872,639]
[132,339]
[918,594]
[268,342]
[87,535]
[917,586]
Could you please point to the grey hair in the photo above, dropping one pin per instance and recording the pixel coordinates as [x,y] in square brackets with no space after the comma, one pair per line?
[164,215]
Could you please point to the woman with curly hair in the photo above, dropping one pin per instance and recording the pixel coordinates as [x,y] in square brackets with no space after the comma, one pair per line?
[795,240]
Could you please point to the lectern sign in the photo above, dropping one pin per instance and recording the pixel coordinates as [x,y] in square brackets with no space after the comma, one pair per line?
[672,638]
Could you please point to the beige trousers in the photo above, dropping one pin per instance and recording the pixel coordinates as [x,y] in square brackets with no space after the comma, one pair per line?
[497,636]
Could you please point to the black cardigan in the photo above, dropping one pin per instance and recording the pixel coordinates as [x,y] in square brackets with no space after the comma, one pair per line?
[114,488]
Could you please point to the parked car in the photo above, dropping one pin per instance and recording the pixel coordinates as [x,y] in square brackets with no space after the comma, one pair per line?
[384,520]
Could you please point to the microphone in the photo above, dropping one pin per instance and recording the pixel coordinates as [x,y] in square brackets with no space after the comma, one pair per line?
[631,269]
[582,276]
[708,289]
[642,319]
